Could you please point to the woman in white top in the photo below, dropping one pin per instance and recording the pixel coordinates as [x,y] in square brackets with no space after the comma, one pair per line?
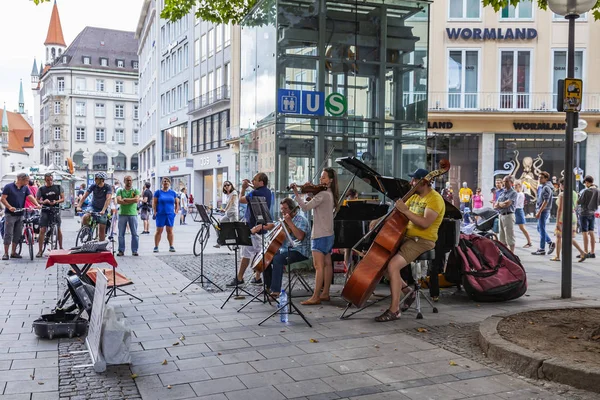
[231,209]
[323,205]
[520,213]
[184,203]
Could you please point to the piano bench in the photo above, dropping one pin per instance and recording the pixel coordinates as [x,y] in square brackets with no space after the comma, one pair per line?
[427,256]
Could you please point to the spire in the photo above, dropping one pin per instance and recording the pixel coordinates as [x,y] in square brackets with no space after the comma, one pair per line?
[21,99]
[34,70]
[55,33]
[4,120]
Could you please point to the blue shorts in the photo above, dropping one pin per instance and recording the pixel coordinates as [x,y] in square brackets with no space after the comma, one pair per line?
[587,223]
[323,244]
[163,220]
[519,216]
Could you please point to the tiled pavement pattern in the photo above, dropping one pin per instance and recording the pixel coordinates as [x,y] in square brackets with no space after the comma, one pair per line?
[221,354]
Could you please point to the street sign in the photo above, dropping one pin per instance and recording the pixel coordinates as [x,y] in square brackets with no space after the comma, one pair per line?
[313,103]
[288,101]
[573,90]
[336,104]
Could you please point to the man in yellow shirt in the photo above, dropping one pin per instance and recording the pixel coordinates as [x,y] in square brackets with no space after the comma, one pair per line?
[425,211]
[465,194]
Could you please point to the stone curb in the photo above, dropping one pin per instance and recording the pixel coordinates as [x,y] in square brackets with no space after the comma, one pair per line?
[533,365]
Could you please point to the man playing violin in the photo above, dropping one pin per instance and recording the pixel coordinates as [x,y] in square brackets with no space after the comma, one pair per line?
[299,229]
[425,212]
[260,182]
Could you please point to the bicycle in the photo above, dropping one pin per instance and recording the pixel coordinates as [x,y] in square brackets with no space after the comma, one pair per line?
[204,231]
[89,232]
[28,235]
[51,237]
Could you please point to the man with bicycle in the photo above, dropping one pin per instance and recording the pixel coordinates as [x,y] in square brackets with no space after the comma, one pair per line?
[52,196]
[13,198]
[102,193]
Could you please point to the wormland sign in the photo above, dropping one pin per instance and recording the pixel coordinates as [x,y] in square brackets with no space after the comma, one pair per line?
[491,33]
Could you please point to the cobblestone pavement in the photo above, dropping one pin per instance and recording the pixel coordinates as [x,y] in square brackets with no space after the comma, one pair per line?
[187,346]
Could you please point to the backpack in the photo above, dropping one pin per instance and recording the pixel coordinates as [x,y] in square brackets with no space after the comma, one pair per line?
[487,269]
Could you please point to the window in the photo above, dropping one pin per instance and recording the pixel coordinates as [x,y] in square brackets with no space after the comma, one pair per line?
[162,104]
[80,109]
[80,134]
[186,55]
[174,142]
[162,71]
[174,99]
[58,159]
[99,110]
[57,133]
[136,65]
[136,137]
[60,83]
[100,135]
[87,60]
[163,36]
[168,102]
[211,86]
[219,73]
[464,9]
[523,10]
[168,65]
[119,111]
[119,86]
[120,64]
[104,62]
[227,39]
[211,43]
[100,161]
[136,87]
[560,69]
[136,112]
[227,77]
[204,87]
[196,51]
[100,85]
[80,83]
[57,107]
[463,79]
[185,93]
[203,48]
[120,135]
[515,79]
[219,29]
[179,97]
[196,88]
[179,60]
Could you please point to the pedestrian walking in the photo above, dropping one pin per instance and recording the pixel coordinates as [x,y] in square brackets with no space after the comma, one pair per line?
[560,226]
[146,208]
[520,212]
[464,194]
[184,201]
[506,207]
[127,199]
[13,197]
[542,213]
[165,205]
[589,202]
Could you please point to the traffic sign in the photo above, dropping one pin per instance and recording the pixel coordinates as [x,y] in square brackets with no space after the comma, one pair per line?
[336,104]
[288,101]
[313,103]
[573,90]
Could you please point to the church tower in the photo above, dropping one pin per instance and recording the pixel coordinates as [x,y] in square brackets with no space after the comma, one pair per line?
[21,99]
[55,41]
[35,75]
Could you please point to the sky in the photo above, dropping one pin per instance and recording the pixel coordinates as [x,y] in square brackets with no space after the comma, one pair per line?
[24,27]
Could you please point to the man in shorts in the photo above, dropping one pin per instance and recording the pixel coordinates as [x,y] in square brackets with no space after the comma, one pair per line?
[425,212]
[589,202]
[146,208]
[50,195]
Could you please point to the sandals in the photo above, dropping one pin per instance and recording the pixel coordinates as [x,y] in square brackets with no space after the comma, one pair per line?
[388,316]
[582,258]
[555,259]
[39,255]
[325,298]
[310,302]
[409,298]
[528,245]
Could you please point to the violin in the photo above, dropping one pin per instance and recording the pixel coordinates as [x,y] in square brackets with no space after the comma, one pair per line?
[392,230]
[308,188]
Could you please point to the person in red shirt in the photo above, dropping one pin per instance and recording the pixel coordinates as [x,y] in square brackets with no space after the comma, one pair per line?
[33,190]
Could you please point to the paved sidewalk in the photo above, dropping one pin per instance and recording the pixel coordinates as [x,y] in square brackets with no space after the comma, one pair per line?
[185,346]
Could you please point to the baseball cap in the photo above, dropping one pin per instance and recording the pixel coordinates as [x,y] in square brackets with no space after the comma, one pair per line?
[420,173]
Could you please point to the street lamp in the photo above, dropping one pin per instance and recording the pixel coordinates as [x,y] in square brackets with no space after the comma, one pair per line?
[570,9]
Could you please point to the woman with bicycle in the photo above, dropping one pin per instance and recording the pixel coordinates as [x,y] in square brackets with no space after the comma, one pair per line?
[51,196]
[13,198]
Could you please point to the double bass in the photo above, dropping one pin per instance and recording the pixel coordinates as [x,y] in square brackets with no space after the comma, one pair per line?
[276,239]
[392,230]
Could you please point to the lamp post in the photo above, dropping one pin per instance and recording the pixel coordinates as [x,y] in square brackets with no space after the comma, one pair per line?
[570,9]
[579,136]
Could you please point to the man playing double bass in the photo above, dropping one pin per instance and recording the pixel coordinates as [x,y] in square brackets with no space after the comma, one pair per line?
[425,212]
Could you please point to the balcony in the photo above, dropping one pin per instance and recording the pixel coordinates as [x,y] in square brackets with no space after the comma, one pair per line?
[214,96]
[500,101]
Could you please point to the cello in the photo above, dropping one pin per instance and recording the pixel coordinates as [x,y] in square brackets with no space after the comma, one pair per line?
[392,230]
[276,240]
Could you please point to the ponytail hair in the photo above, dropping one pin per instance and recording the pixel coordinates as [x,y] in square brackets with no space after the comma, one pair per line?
[333,186]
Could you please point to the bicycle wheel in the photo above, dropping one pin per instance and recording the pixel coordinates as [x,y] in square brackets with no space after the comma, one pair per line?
[29,238]
[54,238]
[193,212]
[83,235]
[201,239]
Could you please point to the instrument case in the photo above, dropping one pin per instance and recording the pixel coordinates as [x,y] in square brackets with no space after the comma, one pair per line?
[60,324]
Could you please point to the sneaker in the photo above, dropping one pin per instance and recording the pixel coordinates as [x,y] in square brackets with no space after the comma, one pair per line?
[255,281]
[16,256]
[235,282]
[591,255]
[155,250]
[135,253]
[217,246]
[172,249]
[551,248]
[120,253]
[539,252]
[5,257]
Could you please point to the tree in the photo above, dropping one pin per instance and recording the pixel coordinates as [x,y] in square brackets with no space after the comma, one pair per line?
[543,4]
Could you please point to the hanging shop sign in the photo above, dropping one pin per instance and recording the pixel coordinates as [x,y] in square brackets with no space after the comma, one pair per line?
[491,33]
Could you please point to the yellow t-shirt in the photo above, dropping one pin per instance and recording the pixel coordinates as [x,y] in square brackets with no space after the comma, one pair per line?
[417,204]
[465,195]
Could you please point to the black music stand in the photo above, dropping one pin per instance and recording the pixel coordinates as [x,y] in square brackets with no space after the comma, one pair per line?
[206,223]
[234,235]
[261,213]
[292,309]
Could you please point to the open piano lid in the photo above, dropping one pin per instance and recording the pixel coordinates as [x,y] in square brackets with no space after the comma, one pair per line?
[393,188]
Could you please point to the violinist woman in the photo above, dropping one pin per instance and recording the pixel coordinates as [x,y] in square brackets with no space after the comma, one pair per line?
[298,227]
[323,205]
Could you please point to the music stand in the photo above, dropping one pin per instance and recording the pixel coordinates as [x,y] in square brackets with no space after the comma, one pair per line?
[206,223]
[235,234]
[261,213]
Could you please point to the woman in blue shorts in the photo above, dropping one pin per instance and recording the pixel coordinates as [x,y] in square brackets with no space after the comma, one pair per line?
[165,205]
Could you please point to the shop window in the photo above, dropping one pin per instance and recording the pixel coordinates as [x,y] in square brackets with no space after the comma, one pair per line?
[463,79]
[464,9]
[174,142]
[414,83]
[515,79]
[78,160]
[559,70]
[523,10]
[134,162]
[120,162]
[100,161]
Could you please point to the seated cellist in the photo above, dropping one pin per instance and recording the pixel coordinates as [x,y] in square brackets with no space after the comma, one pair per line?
[425,212]
[299,229]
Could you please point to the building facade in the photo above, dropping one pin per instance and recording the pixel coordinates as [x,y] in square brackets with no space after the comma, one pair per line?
[493,92]
[149,55]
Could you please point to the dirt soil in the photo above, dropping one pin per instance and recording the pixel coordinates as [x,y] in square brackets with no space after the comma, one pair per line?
[569,334]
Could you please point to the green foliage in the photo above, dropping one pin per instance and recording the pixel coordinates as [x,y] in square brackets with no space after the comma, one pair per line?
[217,11]
[497,5]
